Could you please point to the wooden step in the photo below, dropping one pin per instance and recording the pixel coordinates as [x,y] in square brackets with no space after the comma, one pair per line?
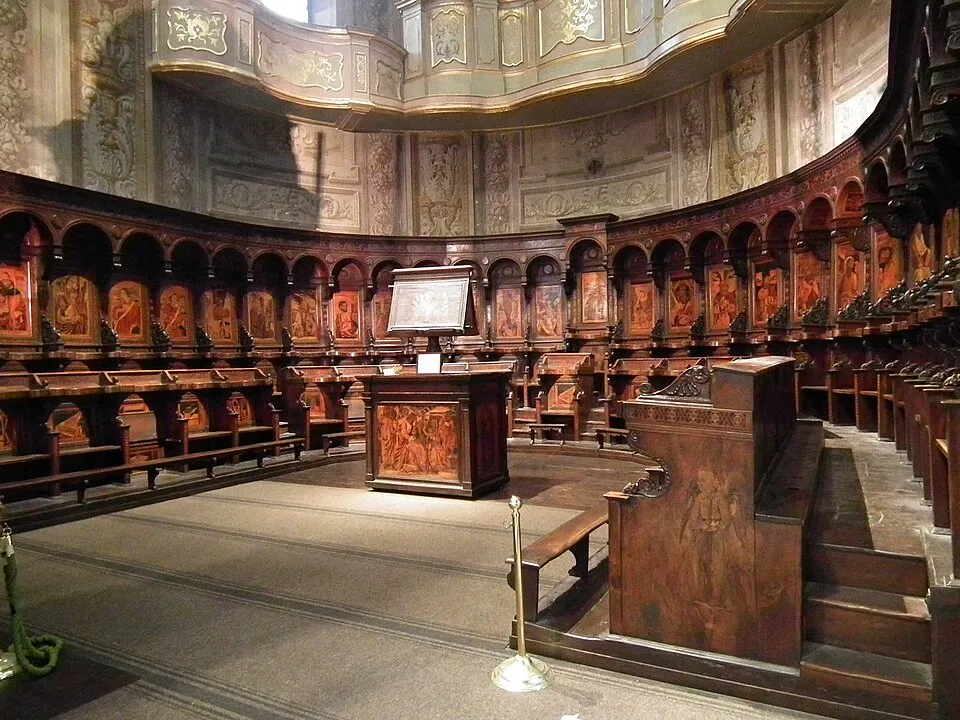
[888,624]
[890,684]
[867,568]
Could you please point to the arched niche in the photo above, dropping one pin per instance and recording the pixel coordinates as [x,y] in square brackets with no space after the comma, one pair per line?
[546,296]
[263,298]
[382,277]
[506,283]
[876,186]
[191,408]
[238,404]
[479,300]
[176,302]
[850,200]
[898,163]
[129,298]
[590,283]
[346,303]
[219,303]
[75,302]
[765,275]
[721,286]
[317,402]
[23,239]
[682,301]
[427,263]
[305,302]
[637,293]
[69,422]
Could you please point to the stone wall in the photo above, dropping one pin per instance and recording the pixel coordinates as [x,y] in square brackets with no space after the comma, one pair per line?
[103,123]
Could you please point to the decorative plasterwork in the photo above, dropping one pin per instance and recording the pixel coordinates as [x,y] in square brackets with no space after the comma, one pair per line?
[448,31]
[647,193]
[191,29]
[14,92]
[389,80]
[360,68]
[303,68]
[511,38]
[564,21]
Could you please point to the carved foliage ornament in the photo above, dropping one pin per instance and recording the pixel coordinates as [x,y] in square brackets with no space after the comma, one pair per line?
[191,29]
[655,482]
[693,383]
[303,68]
[13,87]
[448,37]
[563,21]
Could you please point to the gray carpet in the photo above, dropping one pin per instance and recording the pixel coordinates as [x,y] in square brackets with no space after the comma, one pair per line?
[273,600]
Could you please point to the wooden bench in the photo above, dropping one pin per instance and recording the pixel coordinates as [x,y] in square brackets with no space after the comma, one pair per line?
[573,536]
[326,440]
[540,427]
[81,479]
[610,432]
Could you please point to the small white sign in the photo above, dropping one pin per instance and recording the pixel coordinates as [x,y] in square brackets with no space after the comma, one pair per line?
[428,363]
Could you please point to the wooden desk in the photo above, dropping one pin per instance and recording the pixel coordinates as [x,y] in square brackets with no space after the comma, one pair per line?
[439,434]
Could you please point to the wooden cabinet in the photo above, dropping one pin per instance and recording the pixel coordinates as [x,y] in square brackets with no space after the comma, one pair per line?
[440,434]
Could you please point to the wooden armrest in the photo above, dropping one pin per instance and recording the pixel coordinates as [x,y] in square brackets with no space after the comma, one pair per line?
[565,537]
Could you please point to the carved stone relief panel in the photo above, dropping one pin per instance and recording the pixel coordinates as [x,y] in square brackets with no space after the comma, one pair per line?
[382,183]
[388,80]
[564,21]
[111,89]
[860,28]
[696,133]
[805,85]
[15,92]
[448,36]
[303,68]
[178,148]
[360,72]
[746,104]
[511,38]
[496,183]
[442,184]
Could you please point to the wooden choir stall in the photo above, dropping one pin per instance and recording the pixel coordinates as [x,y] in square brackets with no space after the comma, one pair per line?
[435,432]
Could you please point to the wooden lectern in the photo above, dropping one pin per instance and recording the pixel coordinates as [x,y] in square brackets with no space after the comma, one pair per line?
[443,434]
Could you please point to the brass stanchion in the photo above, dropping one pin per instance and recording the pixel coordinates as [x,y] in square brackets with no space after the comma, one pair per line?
[521,673]
[8,660]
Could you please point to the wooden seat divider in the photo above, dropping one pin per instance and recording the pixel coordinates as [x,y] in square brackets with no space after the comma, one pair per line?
[573,536]
[326,440]
[610,432]
[538,428]
[81,479]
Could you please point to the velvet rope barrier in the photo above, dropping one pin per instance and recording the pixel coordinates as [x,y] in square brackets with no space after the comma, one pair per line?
[37,655]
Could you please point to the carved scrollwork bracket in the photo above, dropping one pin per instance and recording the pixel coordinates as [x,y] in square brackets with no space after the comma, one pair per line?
[655,482]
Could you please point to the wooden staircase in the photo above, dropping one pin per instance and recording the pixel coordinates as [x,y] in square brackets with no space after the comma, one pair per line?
[867,632]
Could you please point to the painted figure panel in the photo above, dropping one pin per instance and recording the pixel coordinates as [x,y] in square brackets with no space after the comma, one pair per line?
[239,404]
[640,312]
[68,420]
[193,410]
[262,315]
[8,434]
[850,275]
[950,232]
[809,283]
[220,316]
[128,304]
[722,296]
[381,313]
[889,271]
[176,313]
[921,256]
[593,297]
[508,323]
[318,406]
[305,316]
[419,441]
[73,306]
[683,302]
[346,315]
[16,301]
[768,293]
[548,317]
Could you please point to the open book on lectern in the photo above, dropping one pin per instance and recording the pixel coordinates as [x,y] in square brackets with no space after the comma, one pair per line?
[432,301]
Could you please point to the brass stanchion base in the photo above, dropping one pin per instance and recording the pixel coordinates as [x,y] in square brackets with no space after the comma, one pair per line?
[521,673]
[8,665]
